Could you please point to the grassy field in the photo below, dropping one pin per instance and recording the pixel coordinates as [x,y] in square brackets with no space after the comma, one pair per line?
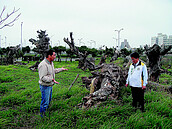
[20,99]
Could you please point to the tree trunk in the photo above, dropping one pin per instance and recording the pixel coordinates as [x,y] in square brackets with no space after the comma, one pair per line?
[154,55]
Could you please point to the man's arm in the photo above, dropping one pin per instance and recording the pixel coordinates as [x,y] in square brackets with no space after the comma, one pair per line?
[145,77]
[128,76]
[57,70]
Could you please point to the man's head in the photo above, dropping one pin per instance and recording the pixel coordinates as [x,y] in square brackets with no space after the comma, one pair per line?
[135,57]
[51,55]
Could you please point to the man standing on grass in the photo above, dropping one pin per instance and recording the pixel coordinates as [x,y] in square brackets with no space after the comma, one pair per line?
[137,79]
[47,79]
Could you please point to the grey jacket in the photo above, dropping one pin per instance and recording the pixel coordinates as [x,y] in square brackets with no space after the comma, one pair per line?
[47,72]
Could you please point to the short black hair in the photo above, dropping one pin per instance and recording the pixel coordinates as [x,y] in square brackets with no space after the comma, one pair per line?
[135,55]
[49,52]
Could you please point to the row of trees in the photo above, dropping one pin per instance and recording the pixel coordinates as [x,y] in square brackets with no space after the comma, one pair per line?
[61,49]
[20,53]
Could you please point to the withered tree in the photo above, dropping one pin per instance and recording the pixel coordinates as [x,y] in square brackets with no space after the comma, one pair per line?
[12,53]
[8,20]
[84,62]
[154,55]
[42,44]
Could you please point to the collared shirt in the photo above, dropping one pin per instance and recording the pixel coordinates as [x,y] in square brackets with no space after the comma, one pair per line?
[48,61]
[47,72]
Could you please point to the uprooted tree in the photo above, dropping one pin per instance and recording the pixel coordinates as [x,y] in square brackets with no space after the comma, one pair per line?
[154,55]
[102,84]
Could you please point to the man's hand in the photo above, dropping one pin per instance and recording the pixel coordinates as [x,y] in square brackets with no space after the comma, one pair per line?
[143,87]
[64,68]
[126,85]
[55,81]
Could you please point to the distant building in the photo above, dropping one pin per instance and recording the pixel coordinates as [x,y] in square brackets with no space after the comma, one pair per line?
[161,39]
[170,40]
[154,40]
[125,44]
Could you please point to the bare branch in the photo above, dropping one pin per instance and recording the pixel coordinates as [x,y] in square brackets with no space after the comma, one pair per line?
[2,12]
[11,23]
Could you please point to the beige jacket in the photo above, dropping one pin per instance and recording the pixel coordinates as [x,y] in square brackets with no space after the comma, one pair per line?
[47,72]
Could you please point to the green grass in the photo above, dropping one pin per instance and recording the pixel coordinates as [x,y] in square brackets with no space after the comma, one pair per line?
[165,79]
[20,99]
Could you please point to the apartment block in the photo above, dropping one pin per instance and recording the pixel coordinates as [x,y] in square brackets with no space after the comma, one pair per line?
[161,39]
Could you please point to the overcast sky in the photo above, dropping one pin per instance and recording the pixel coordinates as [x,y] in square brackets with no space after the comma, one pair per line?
[88,19]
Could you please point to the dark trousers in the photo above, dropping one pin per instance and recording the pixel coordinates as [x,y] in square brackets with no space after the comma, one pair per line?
[138,97]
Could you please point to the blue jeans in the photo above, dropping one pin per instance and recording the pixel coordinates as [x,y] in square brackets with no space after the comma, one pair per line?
[46,95]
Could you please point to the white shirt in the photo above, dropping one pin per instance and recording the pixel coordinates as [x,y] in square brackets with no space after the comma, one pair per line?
[137,75]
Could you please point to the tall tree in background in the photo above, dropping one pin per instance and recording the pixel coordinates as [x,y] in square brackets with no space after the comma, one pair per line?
[82,49]
[140,51]
[109,52]
[69,54]
[59,51]
[42,44]
[125,52]
[8,20]
[26,49]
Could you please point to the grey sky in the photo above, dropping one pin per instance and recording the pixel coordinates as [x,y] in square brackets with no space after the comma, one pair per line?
[89,19]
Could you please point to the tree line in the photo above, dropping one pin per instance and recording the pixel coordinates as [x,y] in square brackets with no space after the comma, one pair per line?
[62,51]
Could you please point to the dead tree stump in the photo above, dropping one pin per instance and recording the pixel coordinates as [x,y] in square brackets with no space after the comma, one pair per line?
[104,84]
[154,55]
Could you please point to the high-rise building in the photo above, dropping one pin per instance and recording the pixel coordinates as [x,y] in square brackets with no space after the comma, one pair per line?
[154,40]
[125,44]
[161,39]
[170,40]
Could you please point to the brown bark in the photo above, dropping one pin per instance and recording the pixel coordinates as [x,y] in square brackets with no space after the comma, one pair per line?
[154,55]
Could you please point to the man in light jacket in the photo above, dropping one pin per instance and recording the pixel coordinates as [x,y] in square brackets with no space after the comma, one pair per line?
[137,79]
[47,79]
